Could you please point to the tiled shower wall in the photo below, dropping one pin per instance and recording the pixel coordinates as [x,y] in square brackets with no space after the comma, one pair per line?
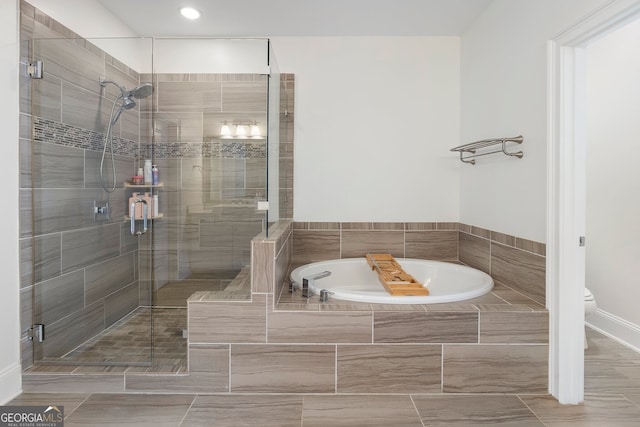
[211,183]
[94,270]
[78,275]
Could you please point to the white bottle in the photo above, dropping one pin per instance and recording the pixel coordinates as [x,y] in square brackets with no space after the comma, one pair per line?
[147,172]
[156,211]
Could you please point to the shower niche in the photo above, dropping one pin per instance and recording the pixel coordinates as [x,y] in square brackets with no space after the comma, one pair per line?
[105,292]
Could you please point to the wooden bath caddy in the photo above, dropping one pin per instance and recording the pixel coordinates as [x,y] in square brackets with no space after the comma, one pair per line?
[394,279]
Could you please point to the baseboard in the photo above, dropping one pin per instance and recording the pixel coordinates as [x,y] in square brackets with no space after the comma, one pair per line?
[10,383]
[620,330]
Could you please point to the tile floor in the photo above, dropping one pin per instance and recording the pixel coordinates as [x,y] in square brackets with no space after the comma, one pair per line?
[612,390]
[128,343]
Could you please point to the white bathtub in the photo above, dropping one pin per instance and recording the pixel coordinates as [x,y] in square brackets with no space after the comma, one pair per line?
[352,279]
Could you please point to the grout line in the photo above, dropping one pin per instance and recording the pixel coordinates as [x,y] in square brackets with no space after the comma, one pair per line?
[417,411]
[195,396]
[229,374]
[335,379]
[66,416]
[442,368]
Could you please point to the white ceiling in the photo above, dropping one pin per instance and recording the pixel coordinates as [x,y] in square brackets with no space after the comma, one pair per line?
[273,18]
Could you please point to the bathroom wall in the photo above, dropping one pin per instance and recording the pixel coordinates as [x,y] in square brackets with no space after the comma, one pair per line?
[612,229]
[78,274]
[375,119]
[211,184]
[503,78]
[10,368]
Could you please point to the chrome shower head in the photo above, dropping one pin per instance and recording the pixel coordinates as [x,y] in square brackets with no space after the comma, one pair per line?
[141,91]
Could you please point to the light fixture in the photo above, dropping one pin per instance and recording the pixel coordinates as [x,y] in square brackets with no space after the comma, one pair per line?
[255,130]
[241,130]
[225,131]
[190,12]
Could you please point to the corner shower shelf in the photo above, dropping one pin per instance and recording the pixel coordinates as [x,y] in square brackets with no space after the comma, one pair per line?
[130,185]
[484,143]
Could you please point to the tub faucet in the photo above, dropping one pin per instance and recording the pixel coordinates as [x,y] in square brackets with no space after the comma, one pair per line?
[306,281]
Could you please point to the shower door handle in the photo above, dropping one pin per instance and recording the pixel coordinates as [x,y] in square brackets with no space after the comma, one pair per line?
[132,215]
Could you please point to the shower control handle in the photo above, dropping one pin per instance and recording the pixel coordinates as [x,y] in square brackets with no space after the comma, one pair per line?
[132,215]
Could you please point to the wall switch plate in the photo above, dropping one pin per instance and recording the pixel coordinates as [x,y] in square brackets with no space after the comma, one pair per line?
[263,206]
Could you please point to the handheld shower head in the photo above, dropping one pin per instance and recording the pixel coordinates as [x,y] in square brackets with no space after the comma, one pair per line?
[127,103]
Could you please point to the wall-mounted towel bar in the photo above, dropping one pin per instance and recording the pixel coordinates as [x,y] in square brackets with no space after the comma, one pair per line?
[473,146]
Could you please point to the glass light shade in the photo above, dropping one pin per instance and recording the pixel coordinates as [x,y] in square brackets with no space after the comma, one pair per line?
[255,130]
[225,130]
[241,130]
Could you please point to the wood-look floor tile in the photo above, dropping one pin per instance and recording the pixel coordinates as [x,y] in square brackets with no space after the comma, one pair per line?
[362,410]
[469,410]
[89,383]
[70,401]
[596,411]
[131,410]
[245,410]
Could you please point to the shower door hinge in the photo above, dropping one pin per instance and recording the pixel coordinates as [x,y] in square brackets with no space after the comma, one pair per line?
[34,69]
[581,241]
[36,332]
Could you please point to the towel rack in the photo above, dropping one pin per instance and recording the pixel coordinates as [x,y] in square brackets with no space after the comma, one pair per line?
[484,143]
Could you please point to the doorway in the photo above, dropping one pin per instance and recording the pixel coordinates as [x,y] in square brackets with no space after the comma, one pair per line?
[566,195]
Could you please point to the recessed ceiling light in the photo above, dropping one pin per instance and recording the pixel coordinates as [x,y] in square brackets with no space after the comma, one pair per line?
[190,13]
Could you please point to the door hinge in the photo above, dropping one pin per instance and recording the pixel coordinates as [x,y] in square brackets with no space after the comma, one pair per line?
[581,241]
[36,332]
[34,69]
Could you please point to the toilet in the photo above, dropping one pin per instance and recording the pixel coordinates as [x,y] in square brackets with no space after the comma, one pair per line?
[590,307]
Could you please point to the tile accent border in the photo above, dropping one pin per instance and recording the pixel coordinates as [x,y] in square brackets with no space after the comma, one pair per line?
[71,136]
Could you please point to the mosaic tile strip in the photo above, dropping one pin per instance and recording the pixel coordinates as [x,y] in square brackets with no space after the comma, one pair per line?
[223,150]
[71,136]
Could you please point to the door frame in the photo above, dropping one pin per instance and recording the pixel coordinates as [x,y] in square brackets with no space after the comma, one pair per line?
[566,94]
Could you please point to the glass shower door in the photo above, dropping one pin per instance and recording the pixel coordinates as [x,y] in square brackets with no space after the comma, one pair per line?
[210,125]
[89,278]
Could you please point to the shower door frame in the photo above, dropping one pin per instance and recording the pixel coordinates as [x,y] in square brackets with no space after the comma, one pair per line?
[92,315]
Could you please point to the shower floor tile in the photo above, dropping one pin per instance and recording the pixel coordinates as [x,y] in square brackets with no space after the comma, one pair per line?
[127,345]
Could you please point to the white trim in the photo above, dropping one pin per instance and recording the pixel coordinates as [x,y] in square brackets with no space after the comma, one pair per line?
[10,383]
[616,328]
[565,194]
